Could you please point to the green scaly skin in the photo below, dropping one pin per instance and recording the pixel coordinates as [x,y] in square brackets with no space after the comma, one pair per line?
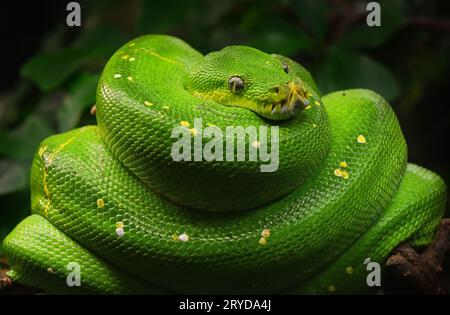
[324,218]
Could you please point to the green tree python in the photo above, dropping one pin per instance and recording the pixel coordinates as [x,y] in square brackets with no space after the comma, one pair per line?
[112,198]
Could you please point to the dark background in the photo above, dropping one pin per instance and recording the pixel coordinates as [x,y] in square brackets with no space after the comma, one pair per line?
[49,71]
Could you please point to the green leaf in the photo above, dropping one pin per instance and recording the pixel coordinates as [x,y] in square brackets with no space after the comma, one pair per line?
[49,70]
[345,70]
[81,96]
[21,144]
[364,36]
[13,176]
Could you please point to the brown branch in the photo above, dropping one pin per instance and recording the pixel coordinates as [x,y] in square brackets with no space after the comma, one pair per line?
[410,272]
[5,281]
[7,286]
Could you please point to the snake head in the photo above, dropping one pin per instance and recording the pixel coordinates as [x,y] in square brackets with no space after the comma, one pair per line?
[245,77]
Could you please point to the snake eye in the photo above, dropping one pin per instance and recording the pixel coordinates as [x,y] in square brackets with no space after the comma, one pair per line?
[286,68]
[236,84]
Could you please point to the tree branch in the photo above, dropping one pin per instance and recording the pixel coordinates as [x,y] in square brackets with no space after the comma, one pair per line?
[411,273]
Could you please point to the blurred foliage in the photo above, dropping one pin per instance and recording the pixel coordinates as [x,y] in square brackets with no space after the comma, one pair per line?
[400,60]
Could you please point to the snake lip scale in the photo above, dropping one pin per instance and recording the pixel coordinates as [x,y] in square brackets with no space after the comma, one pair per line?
[293,99]
[289,105]
[113,213]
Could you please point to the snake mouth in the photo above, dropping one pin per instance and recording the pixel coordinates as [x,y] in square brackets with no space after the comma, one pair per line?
[289,100]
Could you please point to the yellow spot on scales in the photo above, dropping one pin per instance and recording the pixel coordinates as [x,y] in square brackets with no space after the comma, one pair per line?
[262,241]
[341,172]
[182,237]
[361,139]
[147,103]
[47,205]
[331,288]
[338,172]
[63,145]
[308,107]
[100,203]
[161,57]
[345,175]
[256,144]
[265,233]
[317,103]
[120,229]
[42,150]
[60,147]
[132,59]
[117,76]
[130,79]
[184,123]
[119,225]
[126,56]
[193,131]
[132,44]
[44,181]
[165,107]
[349,270]
[314,125]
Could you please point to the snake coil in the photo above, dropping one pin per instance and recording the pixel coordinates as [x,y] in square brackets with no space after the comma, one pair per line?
[112,201]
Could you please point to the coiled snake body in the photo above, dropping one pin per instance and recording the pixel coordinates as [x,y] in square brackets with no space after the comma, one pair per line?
[111,198]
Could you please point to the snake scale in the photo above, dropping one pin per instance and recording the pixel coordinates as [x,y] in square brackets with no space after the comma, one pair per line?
[112,199]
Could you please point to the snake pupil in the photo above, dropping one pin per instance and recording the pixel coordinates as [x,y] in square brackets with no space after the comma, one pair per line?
[236,84]
[286,68]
